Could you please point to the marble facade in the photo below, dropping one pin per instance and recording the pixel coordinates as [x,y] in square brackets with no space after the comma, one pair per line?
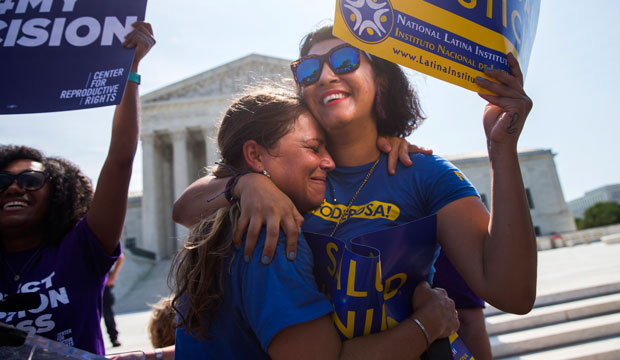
[179,126]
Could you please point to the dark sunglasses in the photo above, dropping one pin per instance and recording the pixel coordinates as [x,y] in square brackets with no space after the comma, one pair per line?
[30,180]
[342,59]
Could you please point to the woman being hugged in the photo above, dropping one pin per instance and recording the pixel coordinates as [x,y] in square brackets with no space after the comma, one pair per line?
[234,306]
[59,239]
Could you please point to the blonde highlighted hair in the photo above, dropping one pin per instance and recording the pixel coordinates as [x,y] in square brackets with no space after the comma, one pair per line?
[264,115]
[162,324]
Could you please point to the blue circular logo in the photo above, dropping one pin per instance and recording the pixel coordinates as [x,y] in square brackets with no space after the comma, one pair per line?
[370,21]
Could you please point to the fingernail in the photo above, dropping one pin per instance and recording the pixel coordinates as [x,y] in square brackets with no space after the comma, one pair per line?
[480,78]
[246,258]
[291,255]
[265,260]
[488,68]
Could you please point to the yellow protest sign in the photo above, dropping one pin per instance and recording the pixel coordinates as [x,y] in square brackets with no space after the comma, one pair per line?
[452,40]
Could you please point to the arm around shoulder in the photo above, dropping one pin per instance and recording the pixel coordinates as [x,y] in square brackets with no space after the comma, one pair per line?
[202,198]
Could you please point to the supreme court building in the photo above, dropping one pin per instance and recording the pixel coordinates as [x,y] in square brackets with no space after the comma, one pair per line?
[179,139]
[179,127]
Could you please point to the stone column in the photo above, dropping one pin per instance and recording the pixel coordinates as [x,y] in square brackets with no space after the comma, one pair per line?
[212,153]
[180,172]
[151,186]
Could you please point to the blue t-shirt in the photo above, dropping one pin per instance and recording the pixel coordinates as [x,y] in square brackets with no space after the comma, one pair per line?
[387,200]
[259,301]
[390,200]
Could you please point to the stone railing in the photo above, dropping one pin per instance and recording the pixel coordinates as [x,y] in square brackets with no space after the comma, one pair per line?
[576,237]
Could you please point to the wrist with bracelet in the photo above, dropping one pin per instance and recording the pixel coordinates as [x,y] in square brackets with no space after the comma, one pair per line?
[229,190]
[419,324]
[230,187]
[134,77]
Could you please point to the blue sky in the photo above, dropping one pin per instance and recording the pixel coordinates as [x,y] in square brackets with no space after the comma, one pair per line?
[573,79]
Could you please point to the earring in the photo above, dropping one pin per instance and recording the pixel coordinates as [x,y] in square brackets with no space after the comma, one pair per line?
[264,172]
[379,110]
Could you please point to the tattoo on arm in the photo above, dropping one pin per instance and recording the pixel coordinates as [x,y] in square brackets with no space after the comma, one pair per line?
[512,126]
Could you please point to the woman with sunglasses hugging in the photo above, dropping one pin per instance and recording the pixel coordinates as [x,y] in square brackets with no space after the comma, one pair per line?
[357,97]
[233,309]
[57,237]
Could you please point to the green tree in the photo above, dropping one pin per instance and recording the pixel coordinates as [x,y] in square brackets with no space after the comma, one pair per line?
[579,223]
[601,214]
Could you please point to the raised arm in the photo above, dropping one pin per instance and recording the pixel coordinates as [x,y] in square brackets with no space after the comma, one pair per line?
[496,253]
[107,212]
[318,339]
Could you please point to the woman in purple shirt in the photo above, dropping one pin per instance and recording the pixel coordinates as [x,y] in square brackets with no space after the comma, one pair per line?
[59,238]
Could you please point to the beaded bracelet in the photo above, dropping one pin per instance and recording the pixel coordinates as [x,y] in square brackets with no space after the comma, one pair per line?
[230,187]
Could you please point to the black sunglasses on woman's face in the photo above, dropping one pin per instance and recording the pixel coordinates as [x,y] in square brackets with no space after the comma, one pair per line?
[29,180]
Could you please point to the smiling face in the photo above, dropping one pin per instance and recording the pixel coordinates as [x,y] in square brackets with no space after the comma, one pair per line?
[23,208]
[340,100]
[299,162]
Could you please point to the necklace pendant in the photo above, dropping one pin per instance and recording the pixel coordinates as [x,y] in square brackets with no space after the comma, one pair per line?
[16,278]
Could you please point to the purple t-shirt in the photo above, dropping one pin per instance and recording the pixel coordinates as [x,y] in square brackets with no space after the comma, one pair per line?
[448,278]
[70,280]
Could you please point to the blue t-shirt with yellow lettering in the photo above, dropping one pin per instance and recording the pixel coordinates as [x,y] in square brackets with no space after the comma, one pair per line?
[390,200]
[259,301]
[387,200]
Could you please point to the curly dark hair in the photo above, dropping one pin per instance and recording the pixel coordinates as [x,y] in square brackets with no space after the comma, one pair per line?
[71,192]
[403,113]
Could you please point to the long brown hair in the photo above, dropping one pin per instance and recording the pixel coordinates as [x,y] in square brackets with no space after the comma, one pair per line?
[264,115]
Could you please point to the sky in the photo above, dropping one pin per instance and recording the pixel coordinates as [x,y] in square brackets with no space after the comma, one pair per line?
[573,80]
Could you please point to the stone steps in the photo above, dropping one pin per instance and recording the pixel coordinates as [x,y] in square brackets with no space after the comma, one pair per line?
[556,335]
[567,296]
[553,314]
[577,324]
[601,349]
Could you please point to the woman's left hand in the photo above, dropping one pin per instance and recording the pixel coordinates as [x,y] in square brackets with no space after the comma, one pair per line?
[399,148]
[505,114]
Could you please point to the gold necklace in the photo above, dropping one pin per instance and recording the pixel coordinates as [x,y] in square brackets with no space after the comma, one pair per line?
[345,214]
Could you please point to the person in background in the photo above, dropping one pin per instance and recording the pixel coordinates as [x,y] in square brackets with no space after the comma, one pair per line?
[57,237]
[162,324]
[108,302]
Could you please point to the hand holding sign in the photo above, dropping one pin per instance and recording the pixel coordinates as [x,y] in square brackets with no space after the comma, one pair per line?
[434,309]
[504,115]
[140,38]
